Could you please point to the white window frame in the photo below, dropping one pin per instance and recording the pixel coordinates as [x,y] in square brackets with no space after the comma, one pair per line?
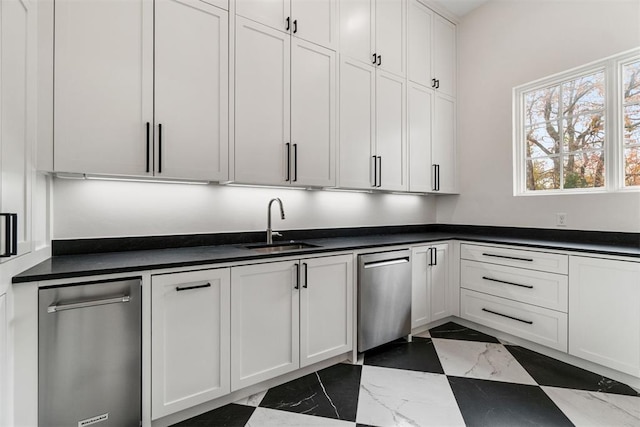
[613,118]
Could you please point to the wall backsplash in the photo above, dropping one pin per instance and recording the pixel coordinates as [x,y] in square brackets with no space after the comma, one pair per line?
[93,209]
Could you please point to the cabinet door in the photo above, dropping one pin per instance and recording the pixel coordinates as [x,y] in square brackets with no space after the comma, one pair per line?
[357,30]
[3,362]
[264,322]
[444,58]
[313,114]
[103,86]
[326,308]
[262,103]
[604,312]
[17,117]
[316,21]
[439,297]
[443,145]
[420,286]
[390,131]
[191,90]
[391,17]
[190,327]
[419,43]
[419,137]
[357,123]
[273,13]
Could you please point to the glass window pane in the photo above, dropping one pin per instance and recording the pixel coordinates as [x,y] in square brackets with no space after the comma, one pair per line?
[583,132]
[632,166]
[584,170]
[542,140]
[583,94]
[541,105]
[632,124]
[631,88]
[543,174]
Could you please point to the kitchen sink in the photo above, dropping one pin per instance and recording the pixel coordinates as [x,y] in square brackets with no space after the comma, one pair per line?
[280,247]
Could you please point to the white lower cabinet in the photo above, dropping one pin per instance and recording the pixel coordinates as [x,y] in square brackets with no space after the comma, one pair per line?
[3,361]
[604,312]
[190,339]
[287,315]
[431,299]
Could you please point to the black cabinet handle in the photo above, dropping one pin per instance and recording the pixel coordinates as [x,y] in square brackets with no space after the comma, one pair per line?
[288,23]
[160,148]
[507,283]
[433,83]
[375,171]
[306,275]
[435,256]
[288,167]
[188,288]
[438,84]
[148,145]
[379,171]
[295,162]
[508,257]
[11,235]
[436,177]
[528,322]
[379,60]
[297,285]
[295,26]
[375,59]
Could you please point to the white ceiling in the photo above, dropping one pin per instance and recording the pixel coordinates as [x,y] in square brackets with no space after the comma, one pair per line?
[460,7]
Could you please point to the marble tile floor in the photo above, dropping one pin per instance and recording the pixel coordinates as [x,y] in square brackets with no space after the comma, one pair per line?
[448,376]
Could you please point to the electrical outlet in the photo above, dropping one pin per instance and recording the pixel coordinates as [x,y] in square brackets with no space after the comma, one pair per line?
[561,219]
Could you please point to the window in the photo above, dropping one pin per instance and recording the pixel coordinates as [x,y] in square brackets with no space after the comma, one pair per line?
[579,131]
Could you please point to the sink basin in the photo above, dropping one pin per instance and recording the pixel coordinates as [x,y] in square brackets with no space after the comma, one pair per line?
[279,247]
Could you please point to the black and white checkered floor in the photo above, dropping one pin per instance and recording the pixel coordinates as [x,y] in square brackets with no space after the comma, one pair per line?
[449,376]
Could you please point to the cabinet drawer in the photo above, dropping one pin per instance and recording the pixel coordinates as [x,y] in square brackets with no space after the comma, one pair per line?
[541,325]
[542,261]
[543,289]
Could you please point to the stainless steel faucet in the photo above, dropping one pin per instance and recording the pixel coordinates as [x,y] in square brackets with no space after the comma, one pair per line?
[270,232]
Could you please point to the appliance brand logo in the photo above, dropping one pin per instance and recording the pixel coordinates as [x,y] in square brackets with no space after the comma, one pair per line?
[93,420]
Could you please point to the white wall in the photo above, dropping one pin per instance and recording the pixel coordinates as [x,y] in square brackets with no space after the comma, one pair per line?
[90,209]
[505,44]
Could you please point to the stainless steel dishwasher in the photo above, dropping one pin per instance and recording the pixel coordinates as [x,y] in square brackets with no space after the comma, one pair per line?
[384,298]
[89,348]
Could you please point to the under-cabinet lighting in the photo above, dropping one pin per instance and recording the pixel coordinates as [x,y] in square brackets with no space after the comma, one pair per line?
[347,190]
[273,187]
[128,179]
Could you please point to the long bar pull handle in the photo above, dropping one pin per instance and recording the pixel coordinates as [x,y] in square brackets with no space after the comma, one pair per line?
[386,262]
[53,308]
[288,167]
[148,145]
[11,234]
[375,171]
[507,283]
[295,162]
[528,322]
[379,171]
[297,285]
[435,177]
[188,288]
[160,148]
[508,257]
[430,254]
[306,275]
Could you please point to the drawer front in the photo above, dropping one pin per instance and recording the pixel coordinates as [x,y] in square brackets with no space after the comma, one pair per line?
[542,261]
[540,325]
[543,289]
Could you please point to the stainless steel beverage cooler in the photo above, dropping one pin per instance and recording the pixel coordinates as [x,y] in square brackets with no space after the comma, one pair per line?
[89,354]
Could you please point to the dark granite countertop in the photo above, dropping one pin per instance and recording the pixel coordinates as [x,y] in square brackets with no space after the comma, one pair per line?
[92,264]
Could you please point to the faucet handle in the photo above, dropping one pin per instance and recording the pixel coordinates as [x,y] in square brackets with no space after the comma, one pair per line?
[276,234]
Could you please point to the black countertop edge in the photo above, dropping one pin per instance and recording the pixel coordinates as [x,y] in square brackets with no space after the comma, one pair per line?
[121,244]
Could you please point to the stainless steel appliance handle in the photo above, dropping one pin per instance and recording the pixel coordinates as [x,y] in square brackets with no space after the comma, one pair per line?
[53,308]
[386,262]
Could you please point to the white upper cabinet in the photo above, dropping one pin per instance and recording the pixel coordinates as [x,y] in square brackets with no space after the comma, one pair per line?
[444,56]
[103,102]
[419,127]
[313,114]
[191,90]
[17,124]
[443,146]
[262,104]
[104,88]
[419,43]
[311,20]
[373,31]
